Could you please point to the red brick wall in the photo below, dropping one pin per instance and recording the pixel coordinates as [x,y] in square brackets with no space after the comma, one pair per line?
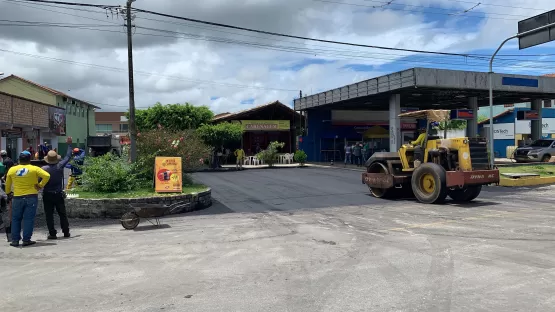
[25,112]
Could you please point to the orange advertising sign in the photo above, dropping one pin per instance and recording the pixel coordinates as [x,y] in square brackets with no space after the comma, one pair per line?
[167,172]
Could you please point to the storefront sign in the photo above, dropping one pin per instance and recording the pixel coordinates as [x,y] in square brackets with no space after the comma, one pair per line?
[168,175]
[409,109]
[14,133]
[527,115]
[523,127]
[266,125]
[57,120]
[462,114]
[548,125]
[504,131]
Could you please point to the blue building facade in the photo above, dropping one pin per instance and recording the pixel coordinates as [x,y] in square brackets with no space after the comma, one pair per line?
[509,117]
[326,137]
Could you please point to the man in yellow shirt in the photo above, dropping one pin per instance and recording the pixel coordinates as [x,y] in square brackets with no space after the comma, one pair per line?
[240,154]
[420,139]
[22,181]
[418,144]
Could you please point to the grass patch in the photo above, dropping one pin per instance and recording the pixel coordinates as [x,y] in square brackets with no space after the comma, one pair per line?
[542,170]
[143,192]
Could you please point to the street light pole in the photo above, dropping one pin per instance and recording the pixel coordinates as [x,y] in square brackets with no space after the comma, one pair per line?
[490,82]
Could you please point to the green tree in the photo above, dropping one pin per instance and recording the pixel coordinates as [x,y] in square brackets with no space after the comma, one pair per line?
[482,118]
[220,134]
[174,117]
[270,155]
[456,124]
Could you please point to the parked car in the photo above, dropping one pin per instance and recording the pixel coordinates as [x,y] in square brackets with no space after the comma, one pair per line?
[538,151]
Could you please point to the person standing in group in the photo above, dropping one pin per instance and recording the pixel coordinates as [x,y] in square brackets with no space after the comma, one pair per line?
[53,195]
[6,161]
[23,181]
[348,151]
[76,172]
[365,152]
[358,153]
[240,155]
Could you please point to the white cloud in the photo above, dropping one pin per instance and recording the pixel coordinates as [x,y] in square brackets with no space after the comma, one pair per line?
[183,67]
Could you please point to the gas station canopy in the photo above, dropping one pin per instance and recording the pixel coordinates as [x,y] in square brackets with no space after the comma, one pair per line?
[428,88]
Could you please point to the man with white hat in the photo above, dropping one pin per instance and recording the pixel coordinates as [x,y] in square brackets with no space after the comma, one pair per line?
[53,195]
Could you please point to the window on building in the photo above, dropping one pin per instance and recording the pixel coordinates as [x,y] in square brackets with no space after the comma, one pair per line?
[123,127]
[104,128]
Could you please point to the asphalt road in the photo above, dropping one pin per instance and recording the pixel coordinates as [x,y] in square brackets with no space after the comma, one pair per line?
[308,239]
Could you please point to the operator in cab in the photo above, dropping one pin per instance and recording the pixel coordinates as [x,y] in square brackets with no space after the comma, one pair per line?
[418,143]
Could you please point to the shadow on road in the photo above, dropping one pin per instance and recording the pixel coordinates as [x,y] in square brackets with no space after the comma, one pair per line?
[215,209]
[150,227]
[41,244]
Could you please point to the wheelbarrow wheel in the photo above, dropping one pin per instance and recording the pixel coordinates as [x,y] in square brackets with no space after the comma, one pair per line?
[130,220]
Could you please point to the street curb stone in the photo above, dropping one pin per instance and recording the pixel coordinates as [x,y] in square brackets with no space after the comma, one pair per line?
[114,208]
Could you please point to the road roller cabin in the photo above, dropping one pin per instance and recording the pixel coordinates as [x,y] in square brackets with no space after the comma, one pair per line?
[434,169]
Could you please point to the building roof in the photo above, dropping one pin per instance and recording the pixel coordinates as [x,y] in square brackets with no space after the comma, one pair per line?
[507,112]
[30,100]
[238,115]
[431,88]
[47,89]
[429,114]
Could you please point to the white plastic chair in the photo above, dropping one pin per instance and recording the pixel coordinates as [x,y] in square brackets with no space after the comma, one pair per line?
[288,158]
[255,161]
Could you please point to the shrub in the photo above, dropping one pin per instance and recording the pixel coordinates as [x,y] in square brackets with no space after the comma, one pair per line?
[270,155]
[220,134]
[162,142]
[107,174]
[300,157]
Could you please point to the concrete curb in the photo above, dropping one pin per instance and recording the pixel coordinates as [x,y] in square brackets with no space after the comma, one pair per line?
[527,181]
[227,169]
[114,208]
[362,169]
[530,181]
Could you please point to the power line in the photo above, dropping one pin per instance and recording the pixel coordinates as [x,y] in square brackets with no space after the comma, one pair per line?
[103,6]
[116,69]
[345,54]
[462,1]
[296,37]
[452,12]
[349,54]
[289,36]
[54,11]
[274,33]
[213,28]
[58,6]
[327,52]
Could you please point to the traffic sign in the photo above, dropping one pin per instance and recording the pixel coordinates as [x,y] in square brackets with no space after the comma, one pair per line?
[537,37]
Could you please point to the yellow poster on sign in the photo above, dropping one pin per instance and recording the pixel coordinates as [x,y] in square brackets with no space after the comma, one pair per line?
[167,171]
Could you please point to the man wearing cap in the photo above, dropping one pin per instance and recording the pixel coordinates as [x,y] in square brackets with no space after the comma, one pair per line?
[53,196]
[23,181]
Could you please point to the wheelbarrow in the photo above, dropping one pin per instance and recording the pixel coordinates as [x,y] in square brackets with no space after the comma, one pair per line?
[149,212]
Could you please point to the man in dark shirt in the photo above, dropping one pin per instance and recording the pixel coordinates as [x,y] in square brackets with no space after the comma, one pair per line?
[6,161]
[53,196]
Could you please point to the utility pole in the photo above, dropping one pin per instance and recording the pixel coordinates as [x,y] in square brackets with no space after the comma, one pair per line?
[132,125]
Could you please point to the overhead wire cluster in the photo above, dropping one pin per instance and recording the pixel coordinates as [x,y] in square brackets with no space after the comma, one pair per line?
[272,41]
